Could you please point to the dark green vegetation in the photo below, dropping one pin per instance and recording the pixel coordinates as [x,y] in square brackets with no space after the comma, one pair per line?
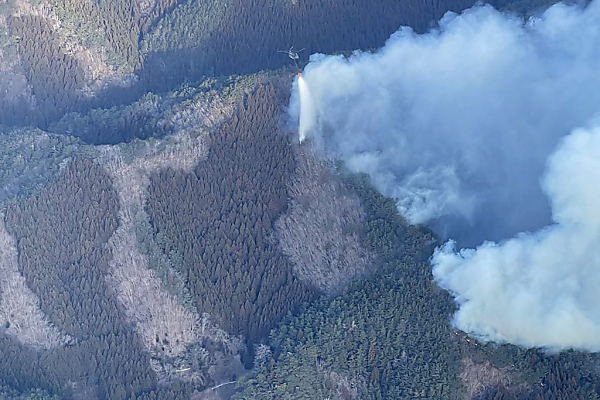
[389,337]
[219,219]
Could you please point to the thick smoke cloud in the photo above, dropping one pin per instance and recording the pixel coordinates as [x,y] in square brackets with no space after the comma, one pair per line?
[457,124]
[469,128]
[539,289]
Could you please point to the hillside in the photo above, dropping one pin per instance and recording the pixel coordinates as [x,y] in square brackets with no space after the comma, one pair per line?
[157,269]
[389,337]
[163,235]
[107,265]
[63,56]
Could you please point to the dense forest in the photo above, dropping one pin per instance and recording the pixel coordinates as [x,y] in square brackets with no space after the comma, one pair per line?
[223,216]
[389,337]
[62,261]
[164,236]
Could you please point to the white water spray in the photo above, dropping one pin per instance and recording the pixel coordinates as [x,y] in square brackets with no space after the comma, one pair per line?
[308,112]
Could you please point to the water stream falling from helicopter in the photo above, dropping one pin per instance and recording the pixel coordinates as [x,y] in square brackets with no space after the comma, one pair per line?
[308,112]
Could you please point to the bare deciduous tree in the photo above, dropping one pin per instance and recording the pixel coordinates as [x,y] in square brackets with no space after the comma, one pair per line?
[345,386]
[167,327]
[476,377]
[262,354]
[20,313]
[320,232]
[206,112]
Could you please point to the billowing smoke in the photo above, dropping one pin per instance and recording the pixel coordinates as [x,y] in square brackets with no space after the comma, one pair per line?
[458,125]
[539,289]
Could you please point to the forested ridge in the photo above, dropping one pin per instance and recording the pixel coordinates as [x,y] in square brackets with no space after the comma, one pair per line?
[220,238]
[64,242]
[78,55]
[219,220]
[387,336]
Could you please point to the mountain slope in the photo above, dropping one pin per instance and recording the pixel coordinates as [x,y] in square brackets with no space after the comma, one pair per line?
[389,337]
[64,56]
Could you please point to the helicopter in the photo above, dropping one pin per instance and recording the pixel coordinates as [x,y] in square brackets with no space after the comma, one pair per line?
[293,54]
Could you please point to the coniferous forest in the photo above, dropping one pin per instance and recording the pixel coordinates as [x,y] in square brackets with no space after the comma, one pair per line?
[151,189]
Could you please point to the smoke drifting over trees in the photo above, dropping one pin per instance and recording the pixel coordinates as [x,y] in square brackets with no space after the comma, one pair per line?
[457,125]
[539,289]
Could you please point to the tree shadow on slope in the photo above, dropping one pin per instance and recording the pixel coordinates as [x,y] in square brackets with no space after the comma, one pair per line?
[220,217]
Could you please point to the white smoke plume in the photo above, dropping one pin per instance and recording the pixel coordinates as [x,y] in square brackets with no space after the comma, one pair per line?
[459,125]
[539,289]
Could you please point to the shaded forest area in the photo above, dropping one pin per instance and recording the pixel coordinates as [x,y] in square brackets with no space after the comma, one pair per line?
[56,77]
[61,237]
[61,234]
[243,42]
[61,72]
[241,37]
[389,337]
[219,219]
[138,120]
[159,116]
